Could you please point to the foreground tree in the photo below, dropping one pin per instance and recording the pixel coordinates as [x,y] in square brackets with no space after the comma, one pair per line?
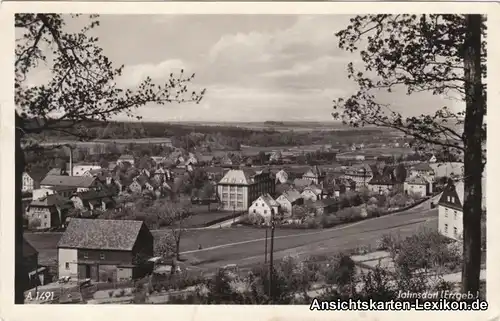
[442,54]
[82,88]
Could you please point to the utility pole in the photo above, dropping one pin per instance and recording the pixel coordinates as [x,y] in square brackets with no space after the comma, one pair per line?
[265,247]
[271,296]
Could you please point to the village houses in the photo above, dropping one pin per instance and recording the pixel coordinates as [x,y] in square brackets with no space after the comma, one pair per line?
[288,199]
[315,175]
[32,180]
[50,211]
[264,206]
[281,177]
[125,159]
[313,193]
[417,185]
[239,188]
[104,250]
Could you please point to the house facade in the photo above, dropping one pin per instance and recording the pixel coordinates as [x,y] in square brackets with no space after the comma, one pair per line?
[315,175]
[125,159]
[423,170]
[50,211]
[312,193]
[67,185]
[264,206]
[104,250]
[81,169]
[418,185]
[382,185]
[93,200]
[31,180]
[450,209]
[288,199]
[281,177]
[361,175]
[239,188]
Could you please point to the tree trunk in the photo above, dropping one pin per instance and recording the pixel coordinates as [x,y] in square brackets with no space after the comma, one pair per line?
[20,275]
[178,248]
[473,162]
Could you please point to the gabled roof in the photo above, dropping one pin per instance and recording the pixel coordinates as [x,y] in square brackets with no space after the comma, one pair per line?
[94,195]
[100,234]
[55,171]
[416,180]
[28,249]
[423,167]
[291,195]
[269,200]
[460,190]
[299,182]
[315,189]
[51,200]
[37,174]
[239,176]
[70,181]
[281,188]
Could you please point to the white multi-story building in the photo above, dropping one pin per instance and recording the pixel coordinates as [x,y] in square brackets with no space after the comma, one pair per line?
[239,188]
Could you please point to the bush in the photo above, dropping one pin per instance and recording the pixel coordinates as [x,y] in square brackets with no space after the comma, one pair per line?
[110,293]
[349,214]
[341,270]
[399,200]
[374,211]
[34,223]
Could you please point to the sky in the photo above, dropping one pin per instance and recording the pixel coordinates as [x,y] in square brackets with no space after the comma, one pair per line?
[253,67]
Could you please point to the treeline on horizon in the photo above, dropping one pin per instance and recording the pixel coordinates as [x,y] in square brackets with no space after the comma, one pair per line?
[248,136]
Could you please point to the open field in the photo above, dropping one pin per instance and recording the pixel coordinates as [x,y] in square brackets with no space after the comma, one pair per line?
[151,140]
[324,242]
[204,218]
[245,246]
[378,151]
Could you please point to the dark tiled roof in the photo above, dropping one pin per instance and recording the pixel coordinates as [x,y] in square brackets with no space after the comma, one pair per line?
[55,171]
[100,234]
[28,249]
[382,180]
[302,182]
[70,181]
[37,174]
[51,200]
[94,195]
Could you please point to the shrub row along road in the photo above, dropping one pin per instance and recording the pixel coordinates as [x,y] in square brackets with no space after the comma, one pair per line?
[248,252]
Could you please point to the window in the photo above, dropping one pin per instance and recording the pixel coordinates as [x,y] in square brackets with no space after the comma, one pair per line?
[448,199]
[45,215]
[455,215]
[445,212]
[67,265]
[446,229]
[254,210]
[85,255]
[455,232]
[453,199]
[101,256]
[265,211]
